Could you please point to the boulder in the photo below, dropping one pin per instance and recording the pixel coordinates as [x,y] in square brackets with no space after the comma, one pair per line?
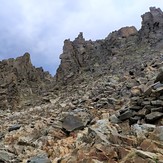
[76,119]
[153,116]
[14,127]
[152,26]
[127,114]
[39,159]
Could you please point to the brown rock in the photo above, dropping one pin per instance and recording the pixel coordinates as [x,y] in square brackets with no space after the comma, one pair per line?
[122,152]
[148,145]
[127,31]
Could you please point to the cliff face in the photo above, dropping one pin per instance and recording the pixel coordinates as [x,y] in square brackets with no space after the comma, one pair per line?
[122,51]
[81,55]
[20,80]
[98,57]
[152,27]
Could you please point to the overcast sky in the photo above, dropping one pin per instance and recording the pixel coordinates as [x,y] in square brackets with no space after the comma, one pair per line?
[40,26]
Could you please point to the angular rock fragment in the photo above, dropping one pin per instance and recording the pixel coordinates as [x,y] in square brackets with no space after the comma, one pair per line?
[134,119]
[145,154]
[152,117]
[159,78]
[14,127]
[127,114]
[157,134]
[39,159]
[6,157]
[135,108]
[113,119]
[71,123]
[77,119]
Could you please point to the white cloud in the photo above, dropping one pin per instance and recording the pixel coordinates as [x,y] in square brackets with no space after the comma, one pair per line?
[40,26]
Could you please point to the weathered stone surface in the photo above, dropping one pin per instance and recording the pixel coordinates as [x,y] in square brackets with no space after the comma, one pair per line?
[113,78]
[7,157]
[157,134]
[152,117]
[39,159]
[114,119]
[145,154]
[159,77]
[152,26]
[71,123]
[77,119]
[127,114]
[14,127]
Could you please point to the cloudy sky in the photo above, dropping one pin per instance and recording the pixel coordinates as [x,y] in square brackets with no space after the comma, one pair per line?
[40,26]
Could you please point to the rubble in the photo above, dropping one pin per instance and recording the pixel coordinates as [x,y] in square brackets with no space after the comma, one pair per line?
[105,103]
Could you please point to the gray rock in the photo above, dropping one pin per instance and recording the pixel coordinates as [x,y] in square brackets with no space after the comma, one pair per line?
[145,154]
[138,131]
[148,127]
[39,159]
[134,119]
[158,109]
[157,86]
[152,117]
[141,130]
[113,118]
[76,119]
[135,108]
[159,77]
[127,114]
[14,127]
[71,123]
[7,157]
[157,103]
[152,27]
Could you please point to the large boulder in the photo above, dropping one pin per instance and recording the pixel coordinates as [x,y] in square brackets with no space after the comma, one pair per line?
[76,119]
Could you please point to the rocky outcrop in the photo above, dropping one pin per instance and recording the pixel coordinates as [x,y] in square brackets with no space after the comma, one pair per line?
[20,81]
[92,57]
[152,27]
[110,108]
[111,53]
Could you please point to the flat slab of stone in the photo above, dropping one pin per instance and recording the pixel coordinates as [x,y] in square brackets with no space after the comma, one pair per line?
[14,127]
[145,154]
[152,117]
[76,119]
[71,123]
[38,159]
[6,156]
[127,114]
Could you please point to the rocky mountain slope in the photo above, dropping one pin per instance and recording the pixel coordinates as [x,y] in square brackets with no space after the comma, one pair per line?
[21,82]
[104,105]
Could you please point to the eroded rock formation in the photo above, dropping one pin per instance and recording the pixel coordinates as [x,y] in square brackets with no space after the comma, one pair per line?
[20,81]
[98,57]
[107,105]
[152,27]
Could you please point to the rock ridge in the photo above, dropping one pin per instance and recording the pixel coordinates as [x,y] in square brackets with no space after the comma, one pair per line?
[20,81]
[98,57]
